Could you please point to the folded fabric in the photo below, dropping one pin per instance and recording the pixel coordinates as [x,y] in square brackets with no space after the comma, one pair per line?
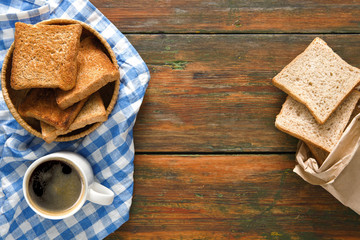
[339,172]
[109,149]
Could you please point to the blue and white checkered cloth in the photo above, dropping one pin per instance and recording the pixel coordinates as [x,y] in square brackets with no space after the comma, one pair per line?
[110,149]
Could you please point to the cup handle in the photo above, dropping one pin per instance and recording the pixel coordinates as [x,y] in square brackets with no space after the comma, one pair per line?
[100,194]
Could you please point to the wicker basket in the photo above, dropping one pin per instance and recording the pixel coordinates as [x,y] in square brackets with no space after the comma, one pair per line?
[13,98]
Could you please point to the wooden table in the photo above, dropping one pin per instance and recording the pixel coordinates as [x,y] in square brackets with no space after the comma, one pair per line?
[209,162]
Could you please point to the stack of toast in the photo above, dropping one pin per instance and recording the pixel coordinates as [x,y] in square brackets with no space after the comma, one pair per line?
[62,73]
[322,98]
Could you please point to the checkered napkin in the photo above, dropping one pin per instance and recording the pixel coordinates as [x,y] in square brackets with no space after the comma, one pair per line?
[110,149]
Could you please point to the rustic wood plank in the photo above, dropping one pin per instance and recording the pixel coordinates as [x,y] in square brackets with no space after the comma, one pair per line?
[231,16]
[213,93]
[231,197]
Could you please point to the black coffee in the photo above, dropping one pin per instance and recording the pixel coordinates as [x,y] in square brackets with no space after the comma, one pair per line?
[55,186]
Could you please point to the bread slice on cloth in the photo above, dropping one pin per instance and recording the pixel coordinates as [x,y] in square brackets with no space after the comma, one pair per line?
[40,103]
[95,71]
[45,56]
[319,79]
[296,120]
[92,112]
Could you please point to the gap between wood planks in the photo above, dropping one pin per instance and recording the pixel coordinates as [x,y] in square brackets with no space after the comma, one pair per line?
[213,153]
[238,33]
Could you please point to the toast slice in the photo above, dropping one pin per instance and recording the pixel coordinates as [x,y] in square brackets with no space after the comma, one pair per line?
[95,71]
[40,103]
[319,79]
[92,112]
[296,120]
[45,56]
[319,154]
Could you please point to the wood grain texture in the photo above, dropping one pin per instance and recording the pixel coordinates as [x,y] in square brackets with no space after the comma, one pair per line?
[231,197]
[230,16]
[213,93]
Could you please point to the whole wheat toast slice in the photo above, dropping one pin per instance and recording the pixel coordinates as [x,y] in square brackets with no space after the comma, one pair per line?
[40,103]
[319,154]
[92,112]
[95,71]
[296,120]
[319,79]
[45,56]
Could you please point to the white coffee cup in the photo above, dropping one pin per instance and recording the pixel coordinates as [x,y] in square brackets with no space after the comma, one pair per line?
[90,190]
